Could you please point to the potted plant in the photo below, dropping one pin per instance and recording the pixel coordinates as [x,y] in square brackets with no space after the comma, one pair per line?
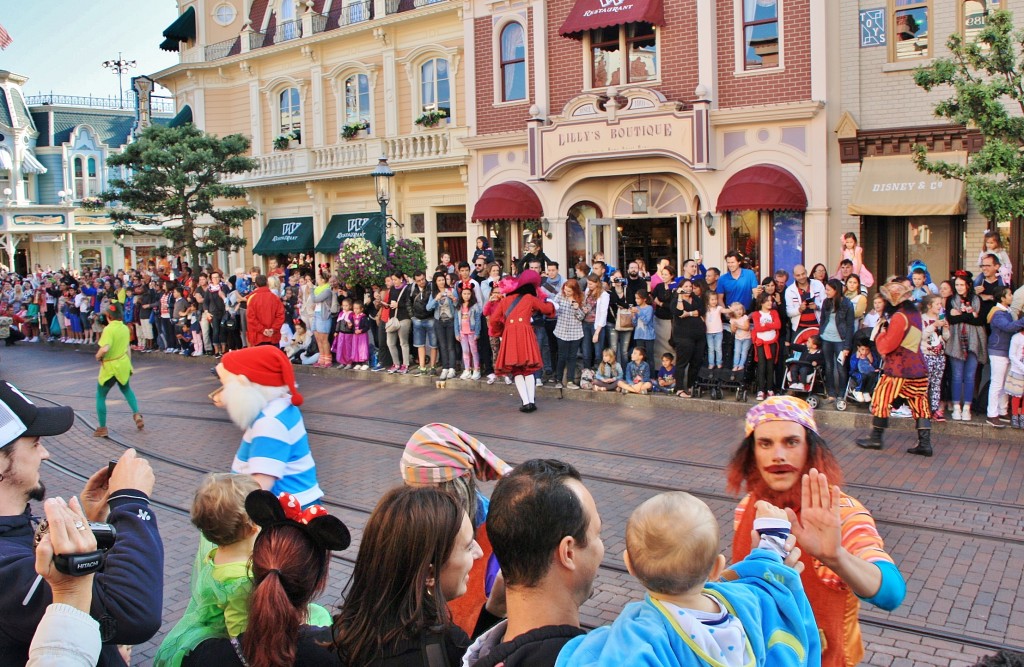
[351,130]
[92,203]
[283,142]
[431,117]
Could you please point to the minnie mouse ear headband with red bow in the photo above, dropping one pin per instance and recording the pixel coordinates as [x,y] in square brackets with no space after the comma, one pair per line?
[266,510]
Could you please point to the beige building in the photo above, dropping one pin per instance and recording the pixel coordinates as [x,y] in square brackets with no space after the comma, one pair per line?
[900,213]
[324,88]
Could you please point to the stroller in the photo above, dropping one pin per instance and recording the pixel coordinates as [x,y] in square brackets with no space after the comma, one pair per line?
[803,379]
[861,338]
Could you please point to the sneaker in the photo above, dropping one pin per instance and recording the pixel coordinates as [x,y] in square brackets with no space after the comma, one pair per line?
[1005,419]
[101,432]
[965,415]
[378,368]
[770,394]
[420,370]
[169,351]
[903,412]
[475,375]
[508,380]
[957,415]
[760,395]
[995,423]
[491,378]
[938,416]
[572,385]
[466,374]
[393,369]
[540,382]
[449,374]
[403,370]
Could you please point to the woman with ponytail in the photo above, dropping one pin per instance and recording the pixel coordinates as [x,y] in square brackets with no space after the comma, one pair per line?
[289,569]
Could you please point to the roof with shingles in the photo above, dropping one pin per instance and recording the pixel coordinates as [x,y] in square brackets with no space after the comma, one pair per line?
[5,109]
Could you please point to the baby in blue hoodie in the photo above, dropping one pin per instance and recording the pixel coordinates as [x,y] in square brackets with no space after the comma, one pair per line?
[754,613]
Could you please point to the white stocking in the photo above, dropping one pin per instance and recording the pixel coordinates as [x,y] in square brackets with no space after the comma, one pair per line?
[520,381]
[531,388]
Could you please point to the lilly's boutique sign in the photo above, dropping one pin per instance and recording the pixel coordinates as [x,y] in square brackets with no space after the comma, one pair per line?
[561,144]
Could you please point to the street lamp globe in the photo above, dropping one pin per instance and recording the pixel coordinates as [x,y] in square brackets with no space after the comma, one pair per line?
[382,175]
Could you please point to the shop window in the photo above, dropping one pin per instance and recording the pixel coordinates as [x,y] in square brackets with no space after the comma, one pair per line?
[357,99]
[744,236]
[576,234]
[787,240]
[435,87]
[623,54]
[500,234]
[513,63]
[760,34]
[975,15]
[911,28]
[290,112]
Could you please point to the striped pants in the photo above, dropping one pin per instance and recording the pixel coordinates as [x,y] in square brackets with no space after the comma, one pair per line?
[914,390]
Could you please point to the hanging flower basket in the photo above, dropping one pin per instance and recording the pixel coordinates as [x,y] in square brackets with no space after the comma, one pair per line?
[92,204]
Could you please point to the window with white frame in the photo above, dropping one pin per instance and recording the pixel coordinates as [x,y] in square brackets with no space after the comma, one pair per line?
[290,118]
[910,29]
[287,25]
[512,61]
[93,176]
[760,34]
[224,14]
[78,171]
[623,54]
[435,87]
[357,100]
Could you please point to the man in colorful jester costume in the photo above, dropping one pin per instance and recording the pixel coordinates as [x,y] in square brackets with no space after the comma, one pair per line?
[754,613]
[905,372]
[784,461]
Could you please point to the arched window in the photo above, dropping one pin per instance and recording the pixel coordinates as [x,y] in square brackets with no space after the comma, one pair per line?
[357,99]
[435,86]
[291,112]
[79,176]
[513,63]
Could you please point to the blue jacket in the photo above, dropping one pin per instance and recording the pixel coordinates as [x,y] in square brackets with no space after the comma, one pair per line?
[844,320]
[475,313]
[434,304]
[643,323]
[767,598]
[1003,328]
[127,593]
[633,370]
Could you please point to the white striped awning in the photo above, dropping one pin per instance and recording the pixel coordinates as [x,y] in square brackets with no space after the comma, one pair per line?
[6,161]
[30,165]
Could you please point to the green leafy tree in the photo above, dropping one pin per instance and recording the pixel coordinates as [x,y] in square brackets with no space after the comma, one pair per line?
[174,180]
[985,75]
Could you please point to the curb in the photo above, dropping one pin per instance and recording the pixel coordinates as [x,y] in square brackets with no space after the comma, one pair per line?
[854,417]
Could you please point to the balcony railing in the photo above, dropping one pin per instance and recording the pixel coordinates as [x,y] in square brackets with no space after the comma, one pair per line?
[396,6]
[158,103]
[221,49]
[288,30]
[356,157]
[350,14]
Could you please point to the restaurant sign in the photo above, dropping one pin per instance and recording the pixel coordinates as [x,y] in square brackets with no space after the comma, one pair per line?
[669,135]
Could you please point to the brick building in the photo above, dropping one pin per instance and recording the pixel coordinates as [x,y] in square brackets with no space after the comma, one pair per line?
[651,129]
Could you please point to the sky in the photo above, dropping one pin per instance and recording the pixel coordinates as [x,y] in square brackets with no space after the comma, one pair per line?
[60,45]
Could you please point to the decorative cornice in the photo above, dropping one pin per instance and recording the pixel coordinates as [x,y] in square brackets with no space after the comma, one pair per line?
[901,141]
[767,113]
[498,140]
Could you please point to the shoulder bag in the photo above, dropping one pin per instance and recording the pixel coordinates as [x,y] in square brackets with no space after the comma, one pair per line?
[394,324]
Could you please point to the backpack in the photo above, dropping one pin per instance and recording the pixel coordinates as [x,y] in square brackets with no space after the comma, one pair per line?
[587,379]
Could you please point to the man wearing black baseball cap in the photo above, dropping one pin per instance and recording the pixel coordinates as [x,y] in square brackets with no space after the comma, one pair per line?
[127,593]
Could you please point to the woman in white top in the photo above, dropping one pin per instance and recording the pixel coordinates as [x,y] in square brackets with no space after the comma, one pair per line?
[595,303]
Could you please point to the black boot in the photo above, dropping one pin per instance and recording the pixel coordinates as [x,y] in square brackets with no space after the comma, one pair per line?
[924,438]
[874,440]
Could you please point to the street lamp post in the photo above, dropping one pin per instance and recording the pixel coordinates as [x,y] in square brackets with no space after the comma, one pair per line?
[119,67]
[382,175]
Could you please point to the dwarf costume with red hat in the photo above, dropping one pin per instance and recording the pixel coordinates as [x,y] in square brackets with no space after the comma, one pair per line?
[261,397]
[519,356]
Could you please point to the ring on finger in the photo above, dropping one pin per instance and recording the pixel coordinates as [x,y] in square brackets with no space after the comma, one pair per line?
[79,525]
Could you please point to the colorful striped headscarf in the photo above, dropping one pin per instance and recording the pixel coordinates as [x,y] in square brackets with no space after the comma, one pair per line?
[781,409]
[439,453]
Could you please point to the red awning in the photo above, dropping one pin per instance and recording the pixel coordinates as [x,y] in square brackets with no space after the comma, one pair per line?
[592,14]
[762,188]
[508,201]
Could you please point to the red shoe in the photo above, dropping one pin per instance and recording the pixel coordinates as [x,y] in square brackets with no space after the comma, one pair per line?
[938,416]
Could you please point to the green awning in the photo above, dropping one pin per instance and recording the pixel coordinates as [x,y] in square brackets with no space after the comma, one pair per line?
[184,116]
[286,236]
[349,226]
[184,27]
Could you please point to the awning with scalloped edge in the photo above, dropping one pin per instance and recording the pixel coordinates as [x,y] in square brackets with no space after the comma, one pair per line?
[593,14]
[30,165]
[763,187]
[182,30]
[508,201]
